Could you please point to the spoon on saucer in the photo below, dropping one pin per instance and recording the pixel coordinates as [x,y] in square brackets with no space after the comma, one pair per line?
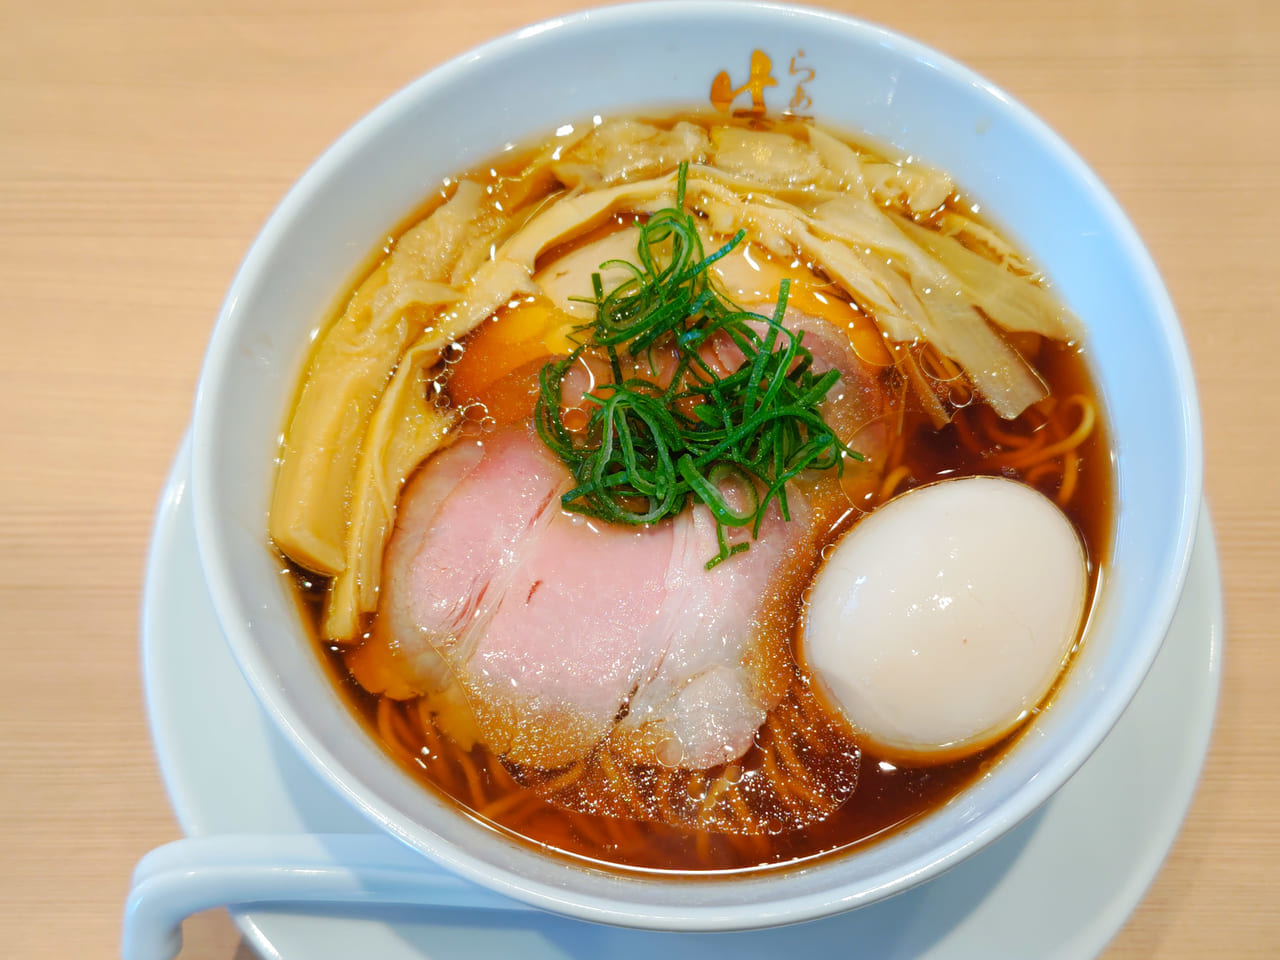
[198,873]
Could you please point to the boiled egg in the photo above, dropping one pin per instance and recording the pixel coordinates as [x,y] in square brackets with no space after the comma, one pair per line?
[939,621]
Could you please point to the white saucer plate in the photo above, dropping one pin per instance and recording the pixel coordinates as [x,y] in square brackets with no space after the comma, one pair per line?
[1058,887]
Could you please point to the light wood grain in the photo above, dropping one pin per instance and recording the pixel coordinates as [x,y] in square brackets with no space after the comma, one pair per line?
[142,143]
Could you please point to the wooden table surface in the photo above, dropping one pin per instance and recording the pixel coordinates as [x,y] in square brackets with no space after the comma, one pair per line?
[143,143]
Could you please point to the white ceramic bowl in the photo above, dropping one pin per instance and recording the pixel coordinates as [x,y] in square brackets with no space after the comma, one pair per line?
[522,86]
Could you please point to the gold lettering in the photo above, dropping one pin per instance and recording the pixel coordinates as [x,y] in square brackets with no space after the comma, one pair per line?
[800,100]
[760,76]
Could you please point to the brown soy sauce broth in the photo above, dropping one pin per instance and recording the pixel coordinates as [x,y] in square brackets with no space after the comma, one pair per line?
[877,796]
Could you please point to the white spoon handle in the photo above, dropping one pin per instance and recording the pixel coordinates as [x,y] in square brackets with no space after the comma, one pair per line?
[187,876]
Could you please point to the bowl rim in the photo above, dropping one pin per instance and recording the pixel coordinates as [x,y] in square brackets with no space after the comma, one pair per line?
[232,614]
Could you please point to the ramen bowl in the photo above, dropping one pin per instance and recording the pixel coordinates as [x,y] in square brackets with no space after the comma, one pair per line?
[854,77]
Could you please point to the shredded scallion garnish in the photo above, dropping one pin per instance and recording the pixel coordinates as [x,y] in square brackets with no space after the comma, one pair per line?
[652,445]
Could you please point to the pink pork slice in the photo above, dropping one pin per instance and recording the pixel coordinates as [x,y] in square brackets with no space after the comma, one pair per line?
[706,700]
[557,626]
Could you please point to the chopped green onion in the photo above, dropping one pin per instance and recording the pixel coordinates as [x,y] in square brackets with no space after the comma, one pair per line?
[648,449]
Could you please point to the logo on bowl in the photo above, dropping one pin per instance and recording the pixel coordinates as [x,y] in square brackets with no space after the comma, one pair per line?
[760,77]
